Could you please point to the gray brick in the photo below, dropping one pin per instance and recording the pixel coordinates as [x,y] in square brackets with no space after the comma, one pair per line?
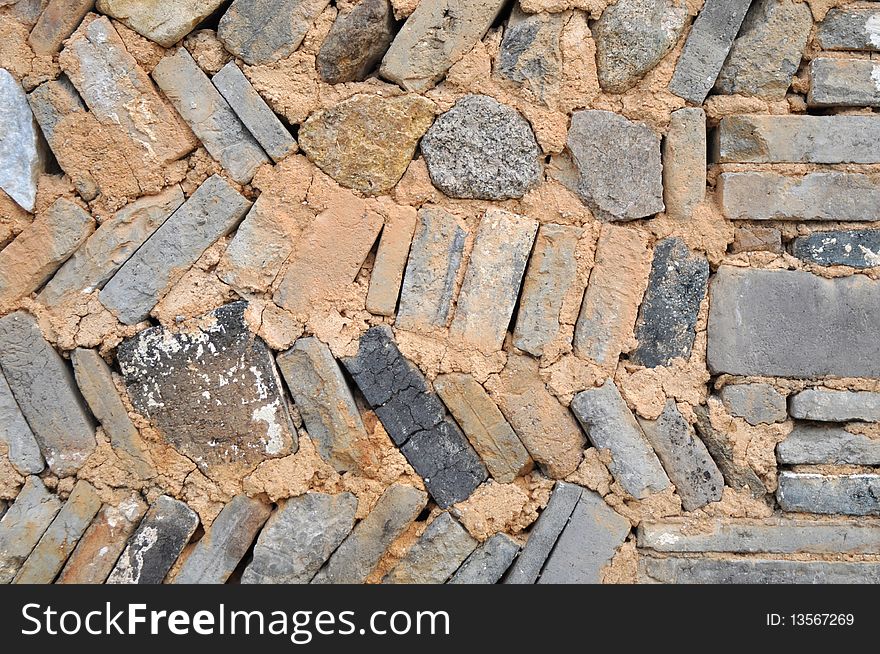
[611,426]
[22,152]
[755,571]
[357,42]
[684,163]
[757,404]
[488,563]
[813,444]
[57,20]
[850,28]
[857,248]
[438,553]
[720,446]
[299,538]
[756,239]
[23,524]
[43,386]
[829,494]
[22,448]
[843,83]
[211,212]
[792,324]
[827,405]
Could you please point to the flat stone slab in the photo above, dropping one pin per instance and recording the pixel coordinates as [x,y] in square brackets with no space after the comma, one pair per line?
[56,21]
[299,538]
[22,158]
[737,474]
[850,28]
[43,386]
[856,248]
[159,540]
[829,494]
[792,324]
[357,42]
[817,445]
[611,426]
[684,163]
[211,212]
[438,553]
[843,83]
[158,20]
[23,524]
[212,391]
[22,448]
[755,571]
[826,405]
[757,404]
[531,54]
[391,259]
[488,563]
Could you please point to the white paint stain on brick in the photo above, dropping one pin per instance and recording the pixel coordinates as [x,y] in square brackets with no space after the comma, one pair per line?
[872,29]
[275,434]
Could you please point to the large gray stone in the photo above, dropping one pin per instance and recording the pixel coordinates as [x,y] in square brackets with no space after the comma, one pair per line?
[737,474]
[357,42]
[23,524]
[755,571]
[850,28]
[438,553]
[299,538]
[684,163]
[158,20]
[43,386]
[531,53]
[827,405]
[488,563]
[755,403]
[22,158]
[611,426]
[829,494]
[211,212]
[818,445]
[856,248]
[792,324]
[22,448]
[844,83]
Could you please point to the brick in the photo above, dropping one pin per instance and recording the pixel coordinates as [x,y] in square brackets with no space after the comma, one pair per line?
[59,540]
[33,257]
[531,53]
[484,425]
[110,246]
[22,156]
[817,445]
[757,404]
[615,290]
[22,448]
[359,553]
[826,405]
[160,21]
[58,20]
[357,42]
[299,538]
[792,324]
[432,271]
[856,248]
[492,281]
[253,111]
[707,47]
[415,419]
[43,386]
[850,28]
[587,544]
[843,83]
[755,571]
[546,428]
[544,534]
[612,426]
[209,115]
[684,163]
[429,43]
[737,474]
[221,549]
[391,258]
[23,524]
[488,563]
[211,212]
[326,406]
[159,540]
[438,553]
[829,494]
[756,239]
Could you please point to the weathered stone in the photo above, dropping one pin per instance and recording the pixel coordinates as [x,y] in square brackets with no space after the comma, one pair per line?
[299,538]
[488,563]
[546,428]
[432,271]
[211,212]
[357,556]
[756,239]
[98,550]
[212,391]
[112,244]
[160,21]
[611,303]
[850,28]
[326,405]
[667,323]
[438,553]
[50,554]
[22,157]
[263,31]
[434,37]
[159,540]
[46,393]
[492,282]
[357,42]
[44,245]
[23,450]
[826,405]
[767,52]
[736,474]
[817,445]
[829,494]
[3,506]
[587,544]
[618,173]
[611,426]
[26,12]
[697,479]
[706,48]
[57,22]
[828,195]
[95,381]
[684,163]
[391,258]
[366,142]
[632,36]
[482,149]
[792,324]
[550,277]
[23,524]
[755,571]
[757,404]
[415,419]
[530,53]
[844,83]
[855,248]
[218,553]
[253,111]
[209,115]
[544,534]
[492,437]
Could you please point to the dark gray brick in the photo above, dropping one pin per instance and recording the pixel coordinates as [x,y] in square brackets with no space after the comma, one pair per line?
[438,553]
[488,563]
[857,248]
[755,571]
[23,525]
[812,444]
[829,494]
